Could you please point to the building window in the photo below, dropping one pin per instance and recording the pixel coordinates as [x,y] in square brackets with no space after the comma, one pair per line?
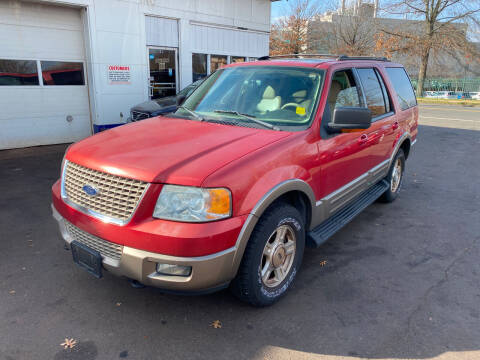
[18,72]
[62,73]
[236,59]
[217,61]
[199,66]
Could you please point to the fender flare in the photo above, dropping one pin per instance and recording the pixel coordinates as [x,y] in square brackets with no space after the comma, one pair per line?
[262,205]
[405,136]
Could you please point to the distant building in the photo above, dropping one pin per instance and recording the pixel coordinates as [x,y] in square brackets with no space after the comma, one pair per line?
[356,22]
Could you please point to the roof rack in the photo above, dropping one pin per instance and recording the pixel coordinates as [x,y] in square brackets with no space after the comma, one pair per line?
[345,57]
[331,56]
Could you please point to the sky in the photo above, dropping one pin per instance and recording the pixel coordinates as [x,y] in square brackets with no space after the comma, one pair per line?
[276,9]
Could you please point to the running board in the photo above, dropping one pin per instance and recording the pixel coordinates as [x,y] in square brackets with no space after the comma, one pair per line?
[329,227]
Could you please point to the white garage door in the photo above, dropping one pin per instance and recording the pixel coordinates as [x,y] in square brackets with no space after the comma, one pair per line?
[43,84]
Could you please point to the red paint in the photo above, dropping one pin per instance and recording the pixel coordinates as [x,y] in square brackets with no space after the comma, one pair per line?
[248,161]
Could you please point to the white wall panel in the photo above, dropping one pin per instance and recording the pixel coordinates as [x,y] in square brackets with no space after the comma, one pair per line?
[216,40]
[37,31]
[37,115]
[161,31]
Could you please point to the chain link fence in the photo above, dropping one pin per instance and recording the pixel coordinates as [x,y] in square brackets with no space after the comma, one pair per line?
[450,88]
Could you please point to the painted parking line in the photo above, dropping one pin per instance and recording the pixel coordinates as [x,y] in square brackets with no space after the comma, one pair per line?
[447,108]
[442,118]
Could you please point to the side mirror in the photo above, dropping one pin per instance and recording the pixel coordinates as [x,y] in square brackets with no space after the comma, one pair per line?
[181,99]
[350,118]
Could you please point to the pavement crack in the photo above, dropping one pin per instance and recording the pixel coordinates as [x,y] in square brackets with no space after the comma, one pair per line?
[437,284]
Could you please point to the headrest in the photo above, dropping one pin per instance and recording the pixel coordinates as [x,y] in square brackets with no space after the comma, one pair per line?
[269,93]
[300,94]
[335,88]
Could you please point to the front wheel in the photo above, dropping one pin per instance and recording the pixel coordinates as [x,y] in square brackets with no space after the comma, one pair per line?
[394,177]
[272,257]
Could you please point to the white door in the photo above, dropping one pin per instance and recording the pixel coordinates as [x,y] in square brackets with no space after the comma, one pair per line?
[43,83]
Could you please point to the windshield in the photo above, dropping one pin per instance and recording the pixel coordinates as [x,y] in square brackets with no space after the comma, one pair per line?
[285,97]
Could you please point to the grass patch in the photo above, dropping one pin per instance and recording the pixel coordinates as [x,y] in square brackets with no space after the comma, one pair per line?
[465,102]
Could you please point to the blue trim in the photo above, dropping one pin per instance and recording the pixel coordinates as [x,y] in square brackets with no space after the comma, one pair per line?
[100,128]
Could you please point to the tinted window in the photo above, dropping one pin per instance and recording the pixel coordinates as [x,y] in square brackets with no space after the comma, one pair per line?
[199,66]
[403,87]
[373,91]
[62,73]
[386,95]
[18,72]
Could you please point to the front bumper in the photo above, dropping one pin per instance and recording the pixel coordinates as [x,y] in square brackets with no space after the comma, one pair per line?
[208,272]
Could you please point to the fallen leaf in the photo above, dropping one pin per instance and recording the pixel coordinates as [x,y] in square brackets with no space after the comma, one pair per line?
[118,303]
[12,292]
[216,324]
[323,263]
[69,343]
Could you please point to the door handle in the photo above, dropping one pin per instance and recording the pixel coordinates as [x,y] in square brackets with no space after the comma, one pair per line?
[395,125]
[363,139]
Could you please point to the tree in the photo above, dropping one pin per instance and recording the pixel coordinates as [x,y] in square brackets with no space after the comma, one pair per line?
[288,34]
[344,34]
[442,27]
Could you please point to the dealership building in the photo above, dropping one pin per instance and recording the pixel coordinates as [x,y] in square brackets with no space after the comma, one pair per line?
[71,68]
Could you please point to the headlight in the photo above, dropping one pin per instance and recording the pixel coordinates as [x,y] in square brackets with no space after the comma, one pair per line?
[192,204]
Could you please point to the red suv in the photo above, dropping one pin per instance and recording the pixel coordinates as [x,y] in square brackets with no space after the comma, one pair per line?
[263,159]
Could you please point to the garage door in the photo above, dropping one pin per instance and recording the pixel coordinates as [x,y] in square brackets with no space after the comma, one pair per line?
[43,84]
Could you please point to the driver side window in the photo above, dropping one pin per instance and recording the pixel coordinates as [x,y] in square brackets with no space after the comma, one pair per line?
[343,90]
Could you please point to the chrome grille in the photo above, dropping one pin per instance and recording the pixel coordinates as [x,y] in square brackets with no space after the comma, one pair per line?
[105,248]
[117,196]
[138,115]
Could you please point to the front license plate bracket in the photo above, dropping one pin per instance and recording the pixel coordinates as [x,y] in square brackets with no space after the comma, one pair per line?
[87,258]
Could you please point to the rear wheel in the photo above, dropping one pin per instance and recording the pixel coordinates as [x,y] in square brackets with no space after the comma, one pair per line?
[394,177]
[272,257]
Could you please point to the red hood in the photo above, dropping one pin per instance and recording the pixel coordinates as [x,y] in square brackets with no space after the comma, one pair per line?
[169,150]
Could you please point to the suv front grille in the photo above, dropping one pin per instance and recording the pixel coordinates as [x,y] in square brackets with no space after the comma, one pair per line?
[116,199]
[105,248]
[138,115]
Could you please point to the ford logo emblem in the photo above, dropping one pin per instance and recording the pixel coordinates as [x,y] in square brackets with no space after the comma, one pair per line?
[90,190]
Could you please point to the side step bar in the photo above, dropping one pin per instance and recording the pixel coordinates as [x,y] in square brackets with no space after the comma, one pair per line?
[325,230]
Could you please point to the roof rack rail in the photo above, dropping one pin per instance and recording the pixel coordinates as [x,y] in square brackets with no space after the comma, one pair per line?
[300,56]
[332,56]
[346,57]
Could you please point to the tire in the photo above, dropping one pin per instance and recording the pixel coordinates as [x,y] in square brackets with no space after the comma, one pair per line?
[282,227]
[395,183]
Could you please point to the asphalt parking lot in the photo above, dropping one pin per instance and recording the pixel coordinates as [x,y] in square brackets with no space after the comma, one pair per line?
[400,281]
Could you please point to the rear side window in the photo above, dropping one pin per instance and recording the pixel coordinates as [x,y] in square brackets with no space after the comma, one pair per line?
[403,87]
[373,91]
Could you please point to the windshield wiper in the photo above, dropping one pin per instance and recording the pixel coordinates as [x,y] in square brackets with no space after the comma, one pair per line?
[194,114]
[248,117]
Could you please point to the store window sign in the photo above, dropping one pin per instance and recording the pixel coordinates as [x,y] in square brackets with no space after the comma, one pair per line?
[119,75]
